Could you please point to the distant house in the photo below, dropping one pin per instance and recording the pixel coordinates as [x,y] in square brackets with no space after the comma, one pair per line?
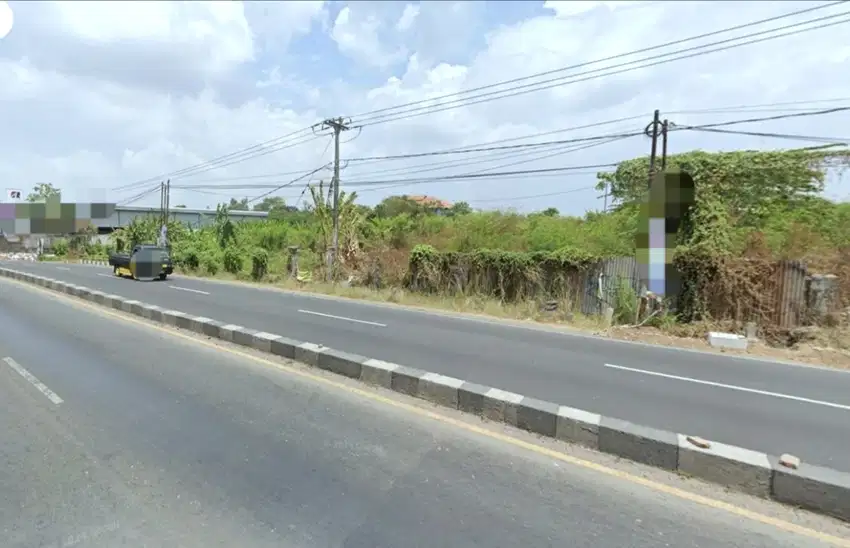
[436,205]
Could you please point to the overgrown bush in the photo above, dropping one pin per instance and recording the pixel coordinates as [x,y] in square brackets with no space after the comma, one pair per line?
[753,209]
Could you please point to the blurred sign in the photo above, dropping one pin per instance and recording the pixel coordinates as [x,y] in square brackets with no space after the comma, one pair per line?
[13,194]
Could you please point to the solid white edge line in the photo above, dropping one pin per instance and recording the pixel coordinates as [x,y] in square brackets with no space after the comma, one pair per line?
[40,386]
[732,387]
[187,289]
[342,318]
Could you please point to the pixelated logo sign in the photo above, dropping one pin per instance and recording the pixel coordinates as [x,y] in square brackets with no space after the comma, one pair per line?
[13,194]
[7,19]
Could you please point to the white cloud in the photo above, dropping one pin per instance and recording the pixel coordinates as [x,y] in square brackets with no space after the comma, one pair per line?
[357,34]
[100,94]
[405,22]
[7,19]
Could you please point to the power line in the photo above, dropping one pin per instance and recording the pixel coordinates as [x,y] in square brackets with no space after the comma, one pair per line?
[232,155]
[478,146]
[256,150]
[289,183]
[470,176]
[492,157]
[140,195]
[501,147]
[623,68]
[588,63]
[765,119]
[836,140]
[759,107]
[293,181]
[737,108]
[256,176]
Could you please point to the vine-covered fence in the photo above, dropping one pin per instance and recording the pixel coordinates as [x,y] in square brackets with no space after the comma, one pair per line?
[778,294]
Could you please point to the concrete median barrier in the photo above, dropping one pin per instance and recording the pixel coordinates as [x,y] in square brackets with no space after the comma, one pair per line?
[439,389]
[378,373]
[406,380]
[783,479]
[341,363]
[745,470]
[578,426]
[537,416]
[642,444]
[243,336]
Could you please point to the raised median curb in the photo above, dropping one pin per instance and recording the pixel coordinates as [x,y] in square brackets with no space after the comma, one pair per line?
[95,263]
[784,479]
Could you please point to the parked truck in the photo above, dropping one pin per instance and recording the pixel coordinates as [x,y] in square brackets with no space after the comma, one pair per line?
[143,258]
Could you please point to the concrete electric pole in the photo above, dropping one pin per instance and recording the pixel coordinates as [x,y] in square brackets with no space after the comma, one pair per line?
[652,130]
[338,126]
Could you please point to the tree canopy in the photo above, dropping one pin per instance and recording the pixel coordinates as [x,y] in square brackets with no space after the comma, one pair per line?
[752,184]
[42,192]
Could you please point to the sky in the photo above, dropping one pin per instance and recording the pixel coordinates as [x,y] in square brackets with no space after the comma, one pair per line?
[99,95]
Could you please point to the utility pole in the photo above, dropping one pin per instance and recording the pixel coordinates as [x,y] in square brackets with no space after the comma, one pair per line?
[338,126]
[664,145]
[654,127]
[161,203]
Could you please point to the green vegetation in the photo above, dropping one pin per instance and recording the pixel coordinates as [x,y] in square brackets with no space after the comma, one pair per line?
[752,209]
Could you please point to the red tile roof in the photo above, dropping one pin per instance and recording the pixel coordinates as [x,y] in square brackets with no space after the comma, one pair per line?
[430,201]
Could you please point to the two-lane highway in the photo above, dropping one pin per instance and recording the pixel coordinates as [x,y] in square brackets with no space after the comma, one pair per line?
[117,433]
[772,407]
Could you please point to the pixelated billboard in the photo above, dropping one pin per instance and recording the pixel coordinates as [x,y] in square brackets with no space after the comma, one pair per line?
[51,217]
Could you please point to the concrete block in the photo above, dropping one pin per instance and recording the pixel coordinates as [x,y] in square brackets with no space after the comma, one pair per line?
[439,389]
[406,380]
[115,301]
[244,336]
[127,306]
[641,444]
[198,323]
[96,297]
[206,326]
[378,372]
[501,406]
[152,312]
[727,340]
[170,317]
[226,331]
[284,347]
[308,353]
[262,341]
[813,488]
[537,416]
[341,363]
[470,398]
[741,469]
[578,426]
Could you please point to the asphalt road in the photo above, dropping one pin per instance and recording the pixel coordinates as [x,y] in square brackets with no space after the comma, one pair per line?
[771,407]
[117,434]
